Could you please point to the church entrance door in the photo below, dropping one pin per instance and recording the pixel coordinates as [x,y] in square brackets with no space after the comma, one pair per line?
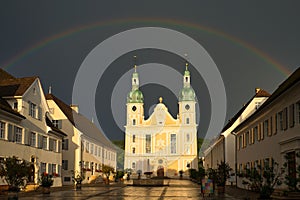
[160,171]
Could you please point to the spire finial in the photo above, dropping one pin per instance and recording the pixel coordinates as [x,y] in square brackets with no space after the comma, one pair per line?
[186,61]
[50,89]
[160,99]
[135,58]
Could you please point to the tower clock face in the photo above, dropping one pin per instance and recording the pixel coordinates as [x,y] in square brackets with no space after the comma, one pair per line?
[133,108]
[187,106]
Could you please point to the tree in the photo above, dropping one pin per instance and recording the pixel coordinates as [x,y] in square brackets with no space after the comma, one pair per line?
[106,169]
[223,173]
[292,181]
[264,180]
[15,172]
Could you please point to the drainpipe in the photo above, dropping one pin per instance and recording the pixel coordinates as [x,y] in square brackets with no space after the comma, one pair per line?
[235,156]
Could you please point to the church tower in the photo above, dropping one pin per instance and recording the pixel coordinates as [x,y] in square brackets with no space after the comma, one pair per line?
[135,101]
[187,112]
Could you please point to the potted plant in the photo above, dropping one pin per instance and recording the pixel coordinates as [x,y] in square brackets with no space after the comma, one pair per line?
[223,173]
[46,182]
[15,173]
[106,169]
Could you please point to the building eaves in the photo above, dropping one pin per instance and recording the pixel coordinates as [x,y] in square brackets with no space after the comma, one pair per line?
[15,86]
[289,82]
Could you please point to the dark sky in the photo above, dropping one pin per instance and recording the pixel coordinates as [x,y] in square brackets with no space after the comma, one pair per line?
[248,41]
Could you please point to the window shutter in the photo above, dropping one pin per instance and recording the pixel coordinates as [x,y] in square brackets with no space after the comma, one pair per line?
[269,127]
[274,124]
[40,113]
[59,146]
[59,124]
[253,136]
[261,131]
[10,133]
[40,141]
[292,115]
[29,103]
[285,118]
[26,137]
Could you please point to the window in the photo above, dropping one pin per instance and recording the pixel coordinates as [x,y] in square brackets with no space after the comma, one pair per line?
[133,165]
[266,127]
[92,149]
[148,143]
[99,151]
[257,105]
[291,164]
[187,149]
[65,164]
[15,105]
[18,134]
[49,168]
[2,130]
[32,109]
[133,138]
[53,169]
[96,150]
[246,139]
[280,120]
[292,115]
[44,143]
[40,141]
[187,120]
[133,122]
[65,144]
[43,167]
[57,123]
[52,144]
[32,139]
[240,142]
[173,143]
[133,150]
[187,137]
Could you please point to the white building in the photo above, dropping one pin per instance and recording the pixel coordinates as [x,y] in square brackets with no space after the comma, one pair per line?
[26,130]
[223,148]
[161,144]
[85,149]
[272,131]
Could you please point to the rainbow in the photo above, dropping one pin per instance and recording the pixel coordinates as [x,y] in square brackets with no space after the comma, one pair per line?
[156,22]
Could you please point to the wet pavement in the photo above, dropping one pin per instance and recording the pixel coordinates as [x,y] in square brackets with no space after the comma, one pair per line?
[177,189]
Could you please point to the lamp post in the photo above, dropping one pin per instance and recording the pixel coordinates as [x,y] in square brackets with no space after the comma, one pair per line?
[235,156]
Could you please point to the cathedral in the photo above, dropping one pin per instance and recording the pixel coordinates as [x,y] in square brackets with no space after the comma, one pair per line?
[161,144]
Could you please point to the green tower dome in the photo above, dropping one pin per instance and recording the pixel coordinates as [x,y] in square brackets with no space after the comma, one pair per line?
[135,96]
[187,94]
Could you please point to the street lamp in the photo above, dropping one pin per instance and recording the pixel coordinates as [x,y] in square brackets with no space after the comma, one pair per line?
[235,156]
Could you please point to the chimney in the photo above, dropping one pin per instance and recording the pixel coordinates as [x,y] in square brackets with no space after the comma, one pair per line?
[257,90]
[74,107]
[50,90]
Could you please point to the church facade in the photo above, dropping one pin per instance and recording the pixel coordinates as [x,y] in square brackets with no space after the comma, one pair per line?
[161,144]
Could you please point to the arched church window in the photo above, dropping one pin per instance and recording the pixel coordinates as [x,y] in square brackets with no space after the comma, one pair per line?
[187,120]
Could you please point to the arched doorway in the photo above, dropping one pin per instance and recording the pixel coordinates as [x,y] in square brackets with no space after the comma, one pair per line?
[160,171]
[31,174]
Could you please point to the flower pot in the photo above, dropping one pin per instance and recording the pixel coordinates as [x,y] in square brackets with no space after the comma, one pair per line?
[46,190]
[12,195]
[78,186]
[221,189]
